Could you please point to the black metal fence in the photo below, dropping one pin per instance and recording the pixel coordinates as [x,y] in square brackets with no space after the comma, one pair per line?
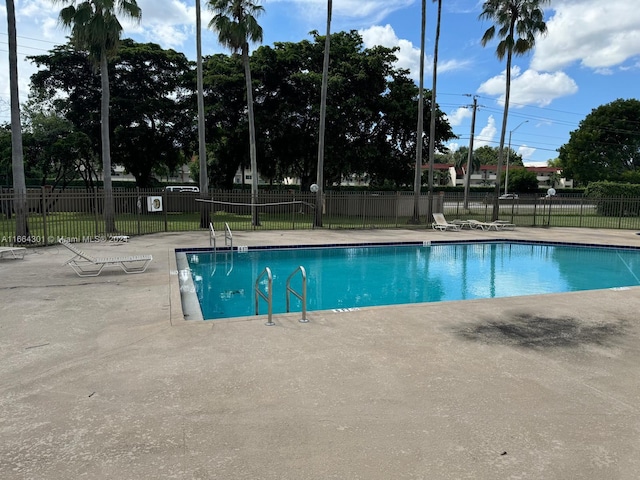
[77,214]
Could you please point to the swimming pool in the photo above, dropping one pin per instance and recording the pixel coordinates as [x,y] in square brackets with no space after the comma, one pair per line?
[355,276]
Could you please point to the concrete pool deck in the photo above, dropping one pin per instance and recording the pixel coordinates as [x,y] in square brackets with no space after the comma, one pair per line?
[101,379]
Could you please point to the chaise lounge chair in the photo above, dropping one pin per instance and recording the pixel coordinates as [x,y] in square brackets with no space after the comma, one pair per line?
[87,266]
[15,252]
[484,225]
[442,224]
[497,225]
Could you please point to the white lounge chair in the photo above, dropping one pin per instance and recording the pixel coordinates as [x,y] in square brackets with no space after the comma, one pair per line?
[442,224]
[15,252]
[506,225]
[485,225]
[87,266]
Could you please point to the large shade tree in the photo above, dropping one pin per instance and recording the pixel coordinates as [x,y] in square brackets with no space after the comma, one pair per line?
[370,116]
[95,28]
[236,23]
[516,25]
[606,145]
[151,109]
[17,162]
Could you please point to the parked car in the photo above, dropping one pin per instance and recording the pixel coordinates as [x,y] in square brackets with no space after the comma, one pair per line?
[508,196]
[182,188]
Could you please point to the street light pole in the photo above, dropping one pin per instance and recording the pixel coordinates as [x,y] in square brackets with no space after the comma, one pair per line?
[506,174]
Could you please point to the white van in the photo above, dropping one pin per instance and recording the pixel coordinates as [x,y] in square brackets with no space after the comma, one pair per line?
[182,188]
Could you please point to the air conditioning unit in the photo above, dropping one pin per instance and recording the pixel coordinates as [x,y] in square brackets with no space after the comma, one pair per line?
[154,204]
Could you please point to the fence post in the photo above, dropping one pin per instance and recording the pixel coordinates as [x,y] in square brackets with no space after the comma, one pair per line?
[581,211]
[621,212]
[166,207]
[43,191]
[138,207]
[95,209]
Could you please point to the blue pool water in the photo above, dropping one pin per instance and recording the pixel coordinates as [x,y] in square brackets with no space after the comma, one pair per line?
[362,276]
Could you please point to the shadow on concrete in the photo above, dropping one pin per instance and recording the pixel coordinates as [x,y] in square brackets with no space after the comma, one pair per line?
[536,331]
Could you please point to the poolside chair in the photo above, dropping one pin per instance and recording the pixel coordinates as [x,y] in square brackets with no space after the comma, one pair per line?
[506,225]
[442,224]
[485,225]
[87,266]
[497,225]
[15,252]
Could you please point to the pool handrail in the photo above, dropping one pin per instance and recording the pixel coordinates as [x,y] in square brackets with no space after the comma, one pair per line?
[228,235]
[212,236]
[268,297]
[302,297]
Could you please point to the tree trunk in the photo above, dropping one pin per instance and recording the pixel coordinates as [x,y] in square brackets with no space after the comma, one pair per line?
[503,133]
[202,146]
[109,212]
[323,115]
[255,221]
[432,124]
[417,180]
[17,159]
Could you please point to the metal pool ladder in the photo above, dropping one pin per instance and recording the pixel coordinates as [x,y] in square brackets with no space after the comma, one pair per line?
[301,296]
[268,297]
[228,236]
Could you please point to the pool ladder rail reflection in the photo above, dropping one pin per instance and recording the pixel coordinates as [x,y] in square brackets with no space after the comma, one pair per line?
[268,296]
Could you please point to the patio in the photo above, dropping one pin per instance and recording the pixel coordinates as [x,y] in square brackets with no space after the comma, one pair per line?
[102,378]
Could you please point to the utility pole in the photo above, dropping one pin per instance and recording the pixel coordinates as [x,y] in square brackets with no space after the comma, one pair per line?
[506,175]
[467,179]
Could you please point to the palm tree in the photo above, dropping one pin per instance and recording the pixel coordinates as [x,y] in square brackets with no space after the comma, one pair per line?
[519,22]
[202,147]
[236,24]
[323,114]
[417,178]
[432,125]
[17,159]
[95,27]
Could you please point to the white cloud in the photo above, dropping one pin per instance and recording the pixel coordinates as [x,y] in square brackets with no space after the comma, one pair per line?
[453,146]
[526,152]
[530,87]
[408,55]
[457,116]
[593,33]
[487,134]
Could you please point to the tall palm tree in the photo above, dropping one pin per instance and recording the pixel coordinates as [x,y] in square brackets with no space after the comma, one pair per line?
[95,27]
[432,124]
[17,159]
[202,147]
[236,25]
[417,178]
[518,22]
[323,115]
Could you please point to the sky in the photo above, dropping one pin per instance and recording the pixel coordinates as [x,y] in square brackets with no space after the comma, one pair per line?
[589,57]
